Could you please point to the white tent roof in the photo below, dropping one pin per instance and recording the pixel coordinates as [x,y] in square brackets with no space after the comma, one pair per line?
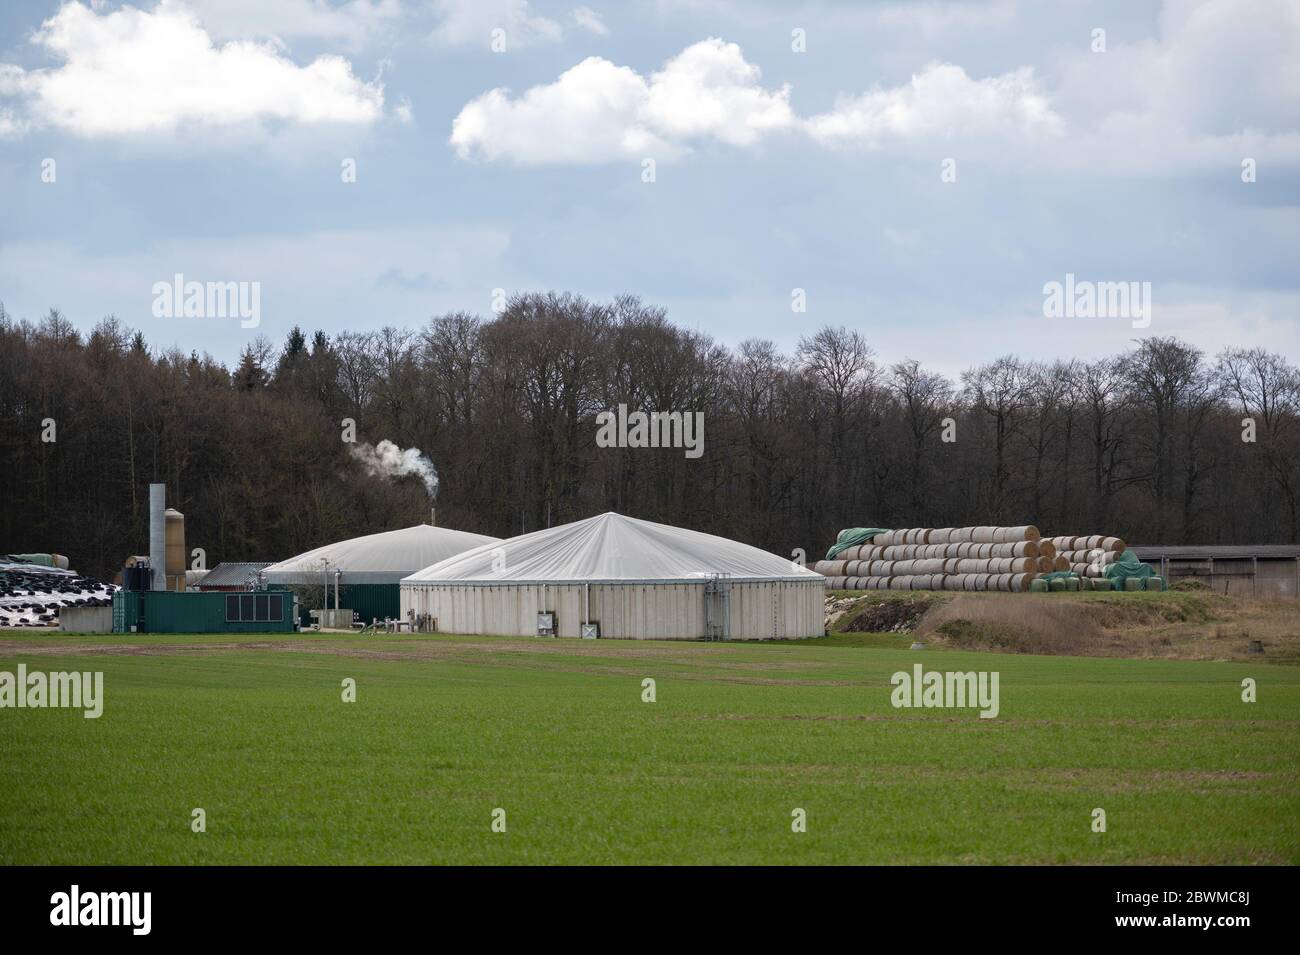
[376,558]
[610,548]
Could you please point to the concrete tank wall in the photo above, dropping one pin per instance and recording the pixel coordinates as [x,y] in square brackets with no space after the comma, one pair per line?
[86,619]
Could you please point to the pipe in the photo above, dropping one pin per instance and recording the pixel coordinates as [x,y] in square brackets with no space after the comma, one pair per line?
[158,536]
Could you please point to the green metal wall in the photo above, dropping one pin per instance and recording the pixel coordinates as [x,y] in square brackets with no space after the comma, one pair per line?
[166,611]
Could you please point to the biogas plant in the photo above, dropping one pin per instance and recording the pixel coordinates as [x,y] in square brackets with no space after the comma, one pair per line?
[609,576]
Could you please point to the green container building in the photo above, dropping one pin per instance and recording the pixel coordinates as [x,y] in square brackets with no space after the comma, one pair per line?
[167,611]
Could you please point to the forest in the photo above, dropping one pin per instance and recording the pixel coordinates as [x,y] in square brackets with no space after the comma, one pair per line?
[1161,444]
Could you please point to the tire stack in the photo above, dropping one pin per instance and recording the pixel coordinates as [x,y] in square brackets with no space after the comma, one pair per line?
[945,558]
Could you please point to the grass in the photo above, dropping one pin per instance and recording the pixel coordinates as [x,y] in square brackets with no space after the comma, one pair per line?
[251,728]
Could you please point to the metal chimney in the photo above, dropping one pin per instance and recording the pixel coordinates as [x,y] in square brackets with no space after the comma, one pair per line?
[158,535]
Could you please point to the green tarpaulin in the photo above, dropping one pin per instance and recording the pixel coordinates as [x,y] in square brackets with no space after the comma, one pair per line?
[852,537]
[1127,565]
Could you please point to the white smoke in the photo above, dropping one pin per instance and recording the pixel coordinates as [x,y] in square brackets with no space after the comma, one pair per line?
[387,460]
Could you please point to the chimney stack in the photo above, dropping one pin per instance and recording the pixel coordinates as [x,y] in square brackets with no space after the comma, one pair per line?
[158,536]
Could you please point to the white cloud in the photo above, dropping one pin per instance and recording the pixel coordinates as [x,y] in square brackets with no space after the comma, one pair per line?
[941,103]
[1217,84]
[589,20]
[587,115]
[351,22]
[710,90]
[464,22]
[132,71]
[600,112]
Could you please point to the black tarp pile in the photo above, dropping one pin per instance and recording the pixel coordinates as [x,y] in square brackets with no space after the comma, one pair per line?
[31,594]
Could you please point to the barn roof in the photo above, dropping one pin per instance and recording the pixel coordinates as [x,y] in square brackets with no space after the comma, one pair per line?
[611,548]
[376,558]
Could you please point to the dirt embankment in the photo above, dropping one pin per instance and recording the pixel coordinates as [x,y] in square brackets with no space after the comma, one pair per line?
[1173,625]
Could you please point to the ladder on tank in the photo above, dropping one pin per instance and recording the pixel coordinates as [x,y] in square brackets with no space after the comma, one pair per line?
[717,608]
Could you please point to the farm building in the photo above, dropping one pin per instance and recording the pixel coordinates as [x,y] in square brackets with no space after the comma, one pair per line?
[1260,570]
[615,576]
[232,576]
[367,570]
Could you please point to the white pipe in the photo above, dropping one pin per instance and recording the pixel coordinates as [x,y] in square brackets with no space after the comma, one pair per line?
[158,536]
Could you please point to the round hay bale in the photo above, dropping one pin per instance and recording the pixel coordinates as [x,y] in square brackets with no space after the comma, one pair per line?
[1046,549]
[1046,565]
[1027,582]
[1113,544]
[1016,549]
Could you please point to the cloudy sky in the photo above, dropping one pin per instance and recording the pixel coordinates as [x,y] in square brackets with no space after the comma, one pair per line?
[504,144]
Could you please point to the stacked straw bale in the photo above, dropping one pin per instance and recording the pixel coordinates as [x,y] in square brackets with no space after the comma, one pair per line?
[1087,556]
[945,558]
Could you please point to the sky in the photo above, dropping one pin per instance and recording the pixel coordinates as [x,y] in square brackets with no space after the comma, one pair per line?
[919,172]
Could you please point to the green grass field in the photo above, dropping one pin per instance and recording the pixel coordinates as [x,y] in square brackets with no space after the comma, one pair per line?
[445,729]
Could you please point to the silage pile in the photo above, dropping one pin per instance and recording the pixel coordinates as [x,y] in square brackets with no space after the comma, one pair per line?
[32,594]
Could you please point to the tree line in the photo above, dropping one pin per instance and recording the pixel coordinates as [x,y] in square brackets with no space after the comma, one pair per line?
[1160,444]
